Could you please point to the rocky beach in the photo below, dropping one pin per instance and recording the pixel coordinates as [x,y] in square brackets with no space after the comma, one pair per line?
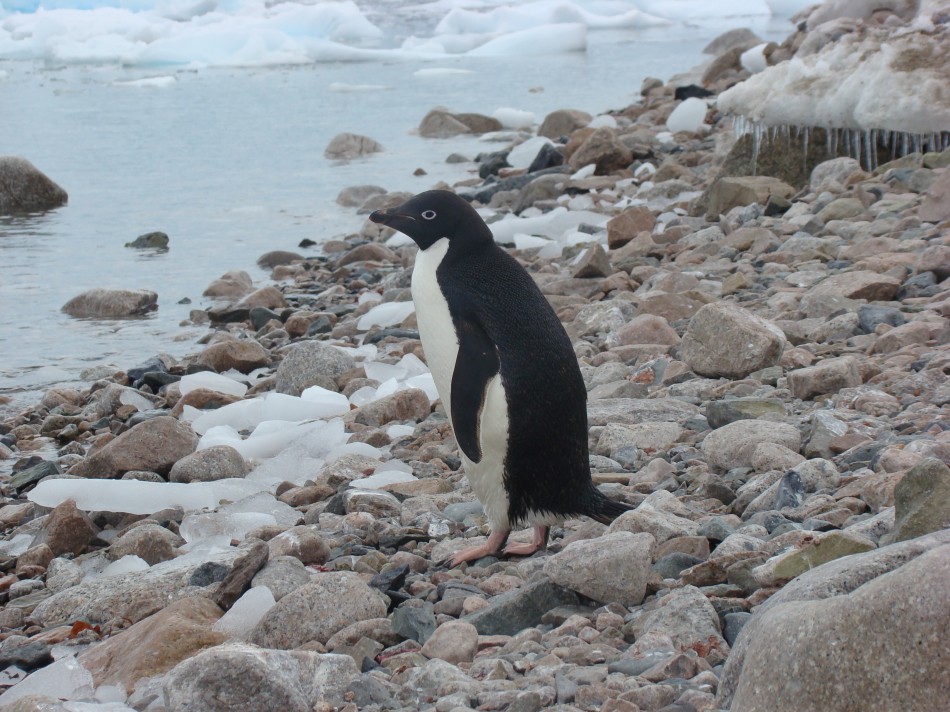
[762,325]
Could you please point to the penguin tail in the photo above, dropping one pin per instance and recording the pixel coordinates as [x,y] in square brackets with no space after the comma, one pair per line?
[606,510]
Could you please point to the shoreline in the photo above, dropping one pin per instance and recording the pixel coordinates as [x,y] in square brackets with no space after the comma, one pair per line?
[766,383]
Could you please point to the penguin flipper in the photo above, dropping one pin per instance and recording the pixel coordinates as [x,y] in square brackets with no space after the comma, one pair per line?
[477,363]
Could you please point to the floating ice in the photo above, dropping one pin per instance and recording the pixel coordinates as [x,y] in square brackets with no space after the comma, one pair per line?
[690,115]
[64,679]
[550,39]
[441,72]
[212,382]
[246,612]
[343,87]
[524,153]
[514,118]
[148,82]
[387,314]
[138,497]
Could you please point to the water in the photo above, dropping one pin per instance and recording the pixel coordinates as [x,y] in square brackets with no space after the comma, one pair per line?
[229,162]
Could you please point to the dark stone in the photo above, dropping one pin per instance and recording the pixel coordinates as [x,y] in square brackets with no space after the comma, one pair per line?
[870,315]
[150,241]
[368,690]
[31,475]
[791,491]
[492,163]
[637,666]
[153,365]
[228,314]
[396,333]
[156,380]
[208,573]
[671,565]
[715,529]
[28,656]
[690,91]
[920,285]
[485,193]
[261,315]
[777,205]
[723,412]
[548,157]
[26,189]
[238,579]
[770,520]
[321,325]
[522,608]
[391,580]
[414,621]
[733,624]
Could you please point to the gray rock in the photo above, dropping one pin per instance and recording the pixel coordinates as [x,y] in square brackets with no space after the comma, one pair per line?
[150,542]
[453,641]
[521,608]
[239,676]
[317,610]
[303,542]
[847,628]
[26,189]
[723,412]
[832,173]
[733,445]
[723,339]
[687,617]
[349,145]
[282,575]
[150,241]
[613,568]
[825,378]
[632,411]
[310,363]
[414,621]
[99,303]
[214,463]
[922,501]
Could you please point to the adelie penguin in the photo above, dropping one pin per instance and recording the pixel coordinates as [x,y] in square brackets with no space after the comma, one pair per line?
[505,371]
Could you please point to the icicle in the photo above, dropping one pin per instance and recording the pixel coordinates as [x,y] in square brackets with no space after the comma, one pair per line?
[867,150]
[805,142]
[874,140]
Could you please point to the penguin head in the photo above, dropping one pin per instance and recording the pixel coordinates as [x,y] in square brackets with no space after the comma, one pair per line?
[430,216]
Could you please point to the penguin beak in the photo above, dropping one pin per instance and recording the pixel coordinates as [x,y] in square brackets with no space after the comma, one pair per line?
[392,218]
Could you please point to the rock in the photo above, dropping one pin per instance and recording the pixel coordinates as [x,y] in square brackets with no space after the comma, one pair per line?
[604,150]
[414,622]
[594,263]
[727,193]
[409,404]
[602,317]
[102,303]
[858,285]
[512,612]
[454,641]
[345,146]
[613,568]
[242,573]
[355,195]
[922,502]
[741,37]
[633,411]
[277,258]
[67,530]
[150,241]
[723,412]
[132,596]
[239,676]
[243,355]
[644,329]
[231,285]
[372,251]
[155,645]
[26,189]
[318,610]
[154,445]
[266,297]
[302,542]
[439,123]
[831,173]
[563,122]
[847,628]
[623,228]
[662,525]
[687,618]
[825,378]
[310,363]
[651,437]
[150,542]
[934,207]
[733,445]
[817,549]
[217,462]
[725,340]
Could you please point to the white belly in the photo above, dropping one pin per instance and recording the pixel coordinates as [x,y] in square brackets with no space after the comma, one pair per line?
[440,343]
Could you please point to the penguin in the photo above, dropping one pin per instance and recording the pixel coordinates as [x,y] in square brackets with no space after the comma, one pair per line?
[505,371]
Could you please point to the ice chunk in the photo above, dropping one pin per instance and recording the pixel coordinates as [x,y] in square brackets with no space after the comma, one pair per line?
[381,479]
[603,121]
[267,439]
[386,314]
[138,497]
[64,679]
[166,80]
[126,565]
[690,115]
[387,388]
[384,371]
[365,297]
[522,155]
[362,396]
[585,171]
[753,59]
[315,402]
[424,382]
[353,449]
[413,364]
[200,527]
[242,415]
[17,545]
[548,39]
[527,242]
[246,612]
[264,503]
[397,430]
[213,382]
[514,118]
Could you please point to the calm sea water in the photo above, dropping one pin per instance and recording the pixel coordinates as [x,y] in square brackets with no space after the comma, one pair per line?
[230,164]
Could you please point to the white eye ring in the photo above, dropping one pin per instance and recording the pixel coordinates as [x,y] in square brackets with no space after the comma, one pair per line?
[428,214]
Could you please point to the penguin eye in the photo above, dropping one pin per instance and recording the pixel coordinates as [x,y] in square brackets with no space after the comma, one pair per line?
[428,214]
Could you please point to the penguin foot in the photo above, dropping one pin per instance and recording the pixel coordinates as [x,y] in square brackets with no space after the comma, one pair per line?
[492,546]
[539,542]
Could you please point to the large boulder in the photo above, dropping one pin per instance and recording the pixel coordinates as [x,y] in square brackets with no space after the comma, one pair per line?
[725,340]
[345,146]
[922,501]
[111,303]
[154,445]
[886,639]
[26,189]
[310,363]
[728,193]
